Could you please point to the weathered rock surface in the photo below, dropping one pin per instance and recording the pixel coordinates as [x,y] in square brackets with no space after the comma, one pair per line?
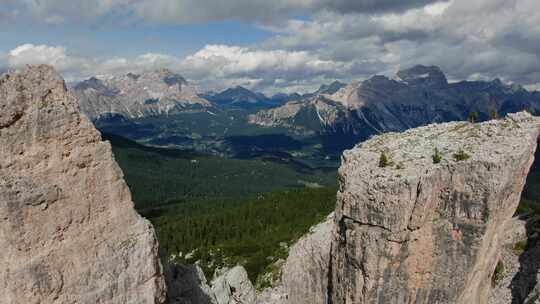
[419,232]
[134,96]
[68,229]
[233,286]
[187,285]
[525,285]
[305,273]
[520,252]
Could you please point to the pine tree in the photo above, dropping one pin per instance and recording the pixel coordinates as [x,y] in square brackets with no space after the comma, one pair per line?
[493,114]
[473,116]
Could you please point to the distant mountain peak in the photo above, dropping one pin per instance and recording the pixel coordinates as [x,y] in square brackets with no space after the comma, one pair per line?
[331,88]
[95,84]
[423,75]
[150,93]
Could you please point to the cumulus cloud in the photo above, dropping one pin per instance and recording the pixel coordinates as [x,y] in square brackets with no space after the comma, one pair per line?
[212,67]
[487,38]
[346,40]
[218,65]
[37,54]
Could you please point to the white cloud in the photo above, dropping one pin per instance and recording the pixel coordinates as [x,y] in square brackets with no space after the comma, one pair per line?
[37,54]
[214,66]
[467,39]
[493,38]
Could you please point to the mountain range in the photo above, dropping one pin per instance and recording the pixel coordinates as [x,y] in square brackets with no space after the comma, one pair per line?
[414,97]
[164,108]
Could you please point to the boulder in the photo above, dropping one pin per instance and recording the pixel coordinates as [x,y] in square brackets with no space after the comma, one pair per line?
[186,284]
[232,286]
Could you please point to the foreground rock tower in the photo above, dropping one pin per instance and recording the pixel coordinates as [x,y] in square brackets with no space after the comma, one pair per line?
[422,231]
[68,230]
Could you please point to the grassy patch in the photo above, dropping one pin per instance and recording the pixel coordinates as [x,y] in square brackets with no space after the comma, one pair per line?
[460,155]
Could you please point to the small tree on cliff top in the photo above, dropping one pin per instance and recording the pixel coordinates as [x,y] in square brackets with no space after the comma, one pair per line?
[384,161]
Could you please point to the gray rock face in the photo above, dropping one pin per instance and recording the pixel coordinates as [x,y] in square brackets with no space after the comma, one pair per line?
[68,229]
[518,282]
[135,96]
[187,285]
[234,287]
[420,75]
[419,232]
[306,272]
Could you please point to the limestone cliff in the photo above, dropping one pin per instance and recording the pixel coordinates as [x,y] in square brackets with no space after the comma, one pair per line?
[420,231]
[305,273]
[68,229]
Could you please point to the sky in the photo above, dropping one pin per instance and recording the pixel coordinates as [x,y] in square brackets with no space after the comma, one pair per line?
[278,45]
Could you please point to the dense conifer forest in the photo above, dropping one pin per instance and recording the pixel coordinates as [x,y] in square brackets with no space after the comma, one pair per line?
[223,212]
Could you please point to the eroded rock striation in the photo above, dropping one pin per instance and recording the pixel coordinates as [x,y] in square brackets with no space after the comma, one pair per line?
[417,231]
[68,229]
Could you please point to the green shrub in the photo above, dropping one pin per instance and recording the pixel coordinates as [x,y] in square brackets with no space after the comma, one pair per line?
[498,273]
[527,206]
[461,155]
[437,157]
[520,247]
[493,114]
[384,161]
[400,166]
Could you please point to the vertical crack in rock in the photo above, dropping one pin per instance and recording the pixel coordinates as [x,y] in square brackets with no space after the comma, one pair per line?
[403,234]
[68,229]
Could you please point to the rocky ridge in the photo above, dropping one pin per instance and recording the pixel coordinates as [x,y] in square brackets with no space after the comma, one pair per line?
[68,229]
[159,92]
[404,232]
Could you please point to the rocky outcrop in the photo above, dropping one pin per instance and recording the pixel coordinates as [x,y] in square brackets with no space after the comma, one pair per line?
[187,285]
[232,286]
[515,280]
[68,229]
[134,96]
[414,230]
[306,271]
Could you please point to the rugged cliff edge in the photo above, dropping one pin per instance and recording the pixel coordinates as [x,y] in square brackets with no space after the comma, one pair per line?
[68,230]
[417,231]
